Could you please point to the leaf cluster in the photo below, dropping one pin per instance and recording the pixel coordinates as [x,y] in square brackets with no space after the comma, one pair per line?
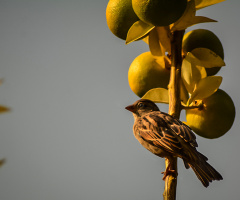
[140,30]
[195,84]
[194,74]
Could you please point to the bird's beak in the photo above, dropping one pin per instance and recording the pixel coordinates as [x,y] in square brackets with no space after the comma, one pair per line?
[131,108]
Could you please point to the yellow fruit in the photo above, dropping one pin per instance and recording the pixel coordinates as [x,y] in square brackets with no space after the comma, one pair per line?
[120,17]
[202,38]
[216,117]
[145,73]
[159,12]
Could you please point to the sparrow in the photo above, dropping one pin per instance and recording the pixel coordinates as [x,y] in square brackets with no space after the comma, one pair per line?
[167,137]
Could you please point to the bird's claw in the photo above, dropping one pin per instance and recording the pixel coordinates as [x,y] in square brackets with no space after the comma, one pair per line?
[169,172]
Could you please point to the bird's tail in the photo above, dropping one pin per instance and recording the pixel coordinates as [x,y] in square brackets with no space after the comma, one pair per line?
[204,171]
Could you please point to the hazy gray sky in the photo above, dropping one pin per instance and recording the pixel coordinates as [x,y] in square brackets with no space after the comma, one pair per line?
[68,136]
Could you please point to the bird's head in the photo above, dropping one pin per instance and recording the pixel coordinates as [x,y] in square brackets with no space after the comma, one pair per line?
[142,106]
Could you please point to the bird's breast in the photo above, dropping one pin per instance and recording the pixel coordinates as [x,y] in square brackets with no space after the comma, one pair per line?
[155,150]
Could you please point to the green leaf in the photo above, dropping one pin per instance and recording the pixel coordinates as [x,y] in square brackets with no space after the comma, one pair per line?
[157,95]
[4,109]
[205,88]
[183,92]
[137,31]
[186,18]
[196,20]
[162,61]
[208,58]
[159,41]
[189,19]
[186,74]
[154,44]
[164,38]
[193,59]
[204,3]
[146,39]
[202,19]
[192,72]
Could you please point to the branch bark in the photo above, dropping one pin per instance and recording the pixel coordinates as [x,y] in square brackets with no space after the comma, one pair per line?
[174,107]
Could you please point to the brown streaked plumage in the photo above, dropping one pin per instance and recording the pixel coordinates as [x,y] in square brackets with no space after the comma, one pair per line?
[166,136]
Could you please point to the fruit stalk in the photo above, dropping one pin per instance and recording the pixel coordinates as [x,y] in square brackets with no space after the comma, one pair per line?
[174,107]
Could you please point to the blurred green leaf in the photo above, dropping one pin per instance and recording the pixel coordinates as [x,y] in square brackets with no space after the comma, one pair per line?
[4,109]
[192,72]
[137,31]
[2,161]
[205,88]
[157,95]
[208,58]
[204,3]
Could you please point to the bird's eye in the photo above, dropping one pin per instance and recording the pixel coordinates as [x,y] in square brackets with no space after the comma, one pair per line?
[141,105]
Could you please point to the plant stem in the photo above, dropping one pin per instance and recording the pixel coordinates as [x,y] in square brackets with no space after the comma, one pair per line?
[197,104]
[174,107]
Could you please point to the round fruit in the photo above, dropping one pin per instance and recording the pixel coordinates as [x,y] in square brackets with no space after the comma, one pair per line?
[146,73]
[215,118]
[159,12]
[120,17]
[202,38]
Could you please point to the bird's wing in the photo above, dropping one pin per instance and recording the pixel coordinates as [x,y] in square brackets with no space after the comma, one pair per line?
[179,128]
[155,131]
[162,131]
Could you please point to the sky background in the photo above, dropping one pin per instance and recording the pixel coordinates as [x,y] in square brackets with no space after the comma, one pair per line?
[68,135]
